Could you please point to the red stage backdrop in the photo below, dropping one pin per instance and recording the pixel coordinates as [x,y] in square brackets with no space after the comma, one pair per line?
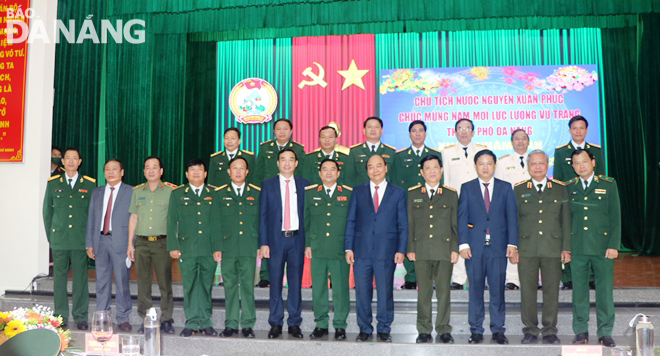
[333,80]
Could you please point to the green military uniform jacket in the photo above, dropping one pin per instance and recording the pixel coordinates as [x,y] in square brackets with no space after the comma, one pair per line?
[596,216]
[58,171]
[358,157]
[151,208]
[563,168]
[219,164]
[239,220]
[325,220]
[192,222]
[314,159]
[267,160]
[432,226]
[65,211]
[544,220]
[407,166]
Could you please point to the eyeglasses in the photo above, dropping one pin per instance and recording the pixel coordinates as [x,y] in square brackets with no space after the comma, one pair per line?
[464,129]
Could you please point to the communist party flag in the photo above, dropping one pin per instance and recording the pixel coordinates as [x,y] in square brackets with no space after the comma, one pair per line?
[333,80]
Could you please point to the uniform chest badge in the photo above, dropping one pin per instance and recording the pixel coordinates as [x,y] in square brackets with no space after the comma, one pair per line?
[82,190]
[418,201]
[185,198]
[228,198]
[360,156]
[407,160]
[386,156]
[525,195]
[142,198]
[208,198]
[316,198]
[456,159]
[270,152]
[340,163]
[58,190]
[600,191]
[509,168]
[221,163]
[341,198]
[573,193]
[249,198]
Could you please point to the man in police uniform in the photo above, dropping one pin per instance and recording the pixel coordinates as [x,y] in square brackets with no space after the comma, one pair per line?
[511,168]
[596,220]
[219,163]
[544,243]
[326,206]
[239,208]
[193,238]
[66,206]
[361,152]
[266,167]
[458,165]
[433,246]
[328,142]
[147,231]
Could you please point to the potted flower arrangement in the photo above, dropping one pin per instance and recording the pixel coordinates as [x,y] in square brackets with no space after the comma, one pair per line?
[39,317]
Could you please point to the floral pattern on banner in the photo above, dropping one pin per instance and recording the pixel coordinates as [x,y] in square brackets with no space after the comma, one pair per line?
[425,81]
[40,317]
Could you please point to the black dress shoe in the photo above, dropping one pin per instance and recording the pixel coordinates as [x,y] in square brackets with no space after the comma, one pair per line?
[446,338]
[82,325]
[551,339]
[263,283]
[581,338]
[607,341]
[362,337]
[410,285]
[592,285]
[500,338]
[384,337]
[210,331]
[456,286]
[167,327]
[141,329]
[476,338]
[423,338]
[275,331]
[528,339]
[229,332]
[511,286]
[317,333]
[296,332]
[186,332]
[340,334]
[567,285]
[125,327]
[248,332]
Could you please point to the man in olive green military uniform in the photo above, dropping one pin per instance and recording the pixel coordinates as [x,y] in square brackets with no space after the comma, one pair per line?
[219,163]
[239,209]
[328,142]
[66,206]
[408,175]
[326,206]
[544,243]
[596,225]
[433,246]
[56,161]
[360,153]
[147,244]
[563,168]
[193,238]
[266,167]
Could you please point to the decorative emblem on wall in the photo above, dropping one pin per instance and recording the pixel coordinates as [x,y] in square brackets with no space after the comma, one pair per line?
[253,101]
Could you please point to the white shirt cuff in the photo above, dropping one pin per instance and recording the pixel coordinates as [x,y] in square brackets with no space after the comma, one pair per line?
[510,245]
[462,247]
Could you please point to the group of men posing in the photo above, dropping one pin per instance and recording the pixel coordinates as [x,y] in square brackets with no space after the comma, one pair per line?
[488,212]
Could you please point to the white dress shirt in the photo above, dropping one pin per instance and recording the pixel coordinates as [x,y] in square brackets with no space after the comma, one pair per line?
[332,189]
[282,146]
[197,190]
[106,197]
[576,146]
[417,151]
[330,155]
[293,202]
[374,145]
[428,189]
[232,154]
[381,190]
[237,187]
[543,183]
[588,180]
[73,179]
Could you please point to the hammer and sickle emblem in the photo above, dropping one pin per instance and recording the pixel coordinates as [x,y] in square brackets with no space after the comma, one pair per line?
[317,79]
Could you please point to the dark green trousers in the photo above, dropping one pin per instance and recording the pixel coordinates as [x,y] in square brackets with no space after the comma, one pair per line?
[153,255]
[339,271]
[410,271]
[197,275]
[603,276]
[263,271]
[566,274]
[77,259]
[528,270]
[429,272]
[238,275]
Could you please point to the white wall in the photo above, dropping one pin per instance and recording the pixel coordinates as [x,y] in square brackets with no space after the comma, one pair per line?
[23,244]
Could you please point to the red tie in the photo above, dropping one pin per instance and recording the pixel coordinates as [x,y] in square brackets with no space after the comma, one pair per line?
[376,198]
[108,214]
[287,208]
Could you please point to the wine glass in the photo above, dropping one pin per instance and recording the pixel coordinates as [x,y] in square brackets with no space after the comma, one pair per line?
[102,327]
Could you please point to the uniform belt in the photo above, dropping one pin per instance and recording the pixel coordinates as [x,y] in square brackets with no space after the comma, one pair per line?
[290,233]
[153,238]
[108,234]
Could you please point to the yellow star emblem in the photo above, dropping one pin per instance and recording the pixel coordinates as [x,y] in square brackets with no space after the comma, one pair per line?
[353,76]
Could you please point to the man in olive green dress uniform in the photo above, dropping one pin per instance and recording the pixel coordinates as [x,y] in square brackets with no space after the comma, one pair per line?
[433,246]
[56,161]
[328,142]
[563,169]
[360,153]
[147,244]
[326,205]
[544,243]
[239,209]
[266,167]
[193,236]
[66,205]
[219,163]
[408,175]
[596,220]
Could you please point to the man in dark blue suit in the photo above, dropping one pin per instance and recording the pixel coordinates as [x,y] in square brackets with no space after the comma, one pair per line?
[282,240]
[375,240]
[487,235]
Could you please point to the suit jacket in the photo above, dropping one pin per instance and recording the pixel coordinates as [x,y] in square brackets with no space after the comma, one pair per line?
[376,235]
[270,211]
[120,217]
[501,219]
